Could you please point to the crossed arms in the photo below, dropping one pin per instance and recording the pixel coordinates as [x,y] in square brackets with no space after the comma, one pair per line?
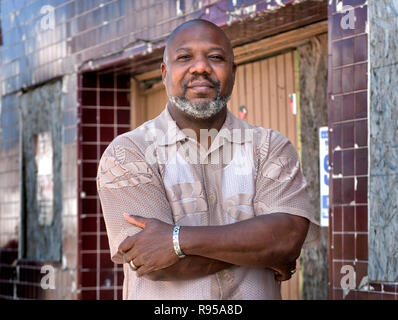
[269,241]
[272,239]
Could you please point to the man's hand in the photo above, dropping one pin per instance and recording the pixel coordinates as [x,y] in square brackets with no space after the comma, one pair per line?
[284,272]
[152,248]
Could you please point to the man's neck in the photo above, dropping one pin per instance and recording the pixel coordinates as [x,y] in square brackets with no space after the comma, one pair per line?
[184,121]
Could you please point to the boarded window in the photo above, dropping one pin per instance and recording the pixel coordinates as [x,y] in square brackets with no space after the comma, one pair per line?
[41,115]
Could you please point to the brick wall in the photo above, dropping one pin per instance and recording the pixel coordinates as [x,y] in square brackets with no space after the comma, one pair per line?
[105,113]
[41,42]
[348,123]
[9,193]
[20,278]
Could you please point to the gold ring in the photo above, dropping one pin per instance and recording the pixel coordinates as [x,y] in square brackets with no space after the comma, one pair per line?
[132,265]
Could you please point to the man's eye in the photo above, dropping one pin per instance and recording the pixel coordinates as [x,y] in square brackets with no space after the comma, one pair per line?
[184,57]
[217,57]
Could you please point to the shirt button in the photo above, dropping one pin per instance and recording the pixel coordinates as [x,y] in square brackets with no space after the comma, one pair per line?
[212,197]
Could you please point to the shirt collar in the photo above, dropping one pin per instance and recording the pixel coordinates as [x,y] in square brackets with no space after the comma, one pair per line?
[233,130]
[236,130]
[172,133]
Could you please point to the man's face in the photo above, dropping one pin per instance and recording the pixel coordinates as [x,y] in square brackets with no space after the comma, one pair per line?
[199,69]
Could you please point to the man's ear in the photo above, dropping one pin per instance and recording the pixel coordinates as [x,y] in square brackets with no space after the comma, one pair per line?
[163,69]
[234,66]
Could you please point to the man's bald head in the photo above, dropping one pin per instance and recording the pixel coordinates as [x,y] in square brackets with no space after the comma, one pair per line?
[190,26]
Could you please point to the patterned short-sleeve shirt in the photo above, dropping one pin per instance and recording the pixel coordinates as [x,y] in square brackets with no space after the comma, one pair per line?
[159,171]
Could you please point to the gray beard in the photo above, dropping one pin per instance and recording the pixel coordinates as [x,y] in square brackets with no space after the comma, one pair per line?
[201,110]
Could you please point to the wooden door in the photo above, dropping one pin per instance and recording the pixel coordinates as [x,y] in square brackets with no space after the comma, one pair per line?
[263,87]
[148,103]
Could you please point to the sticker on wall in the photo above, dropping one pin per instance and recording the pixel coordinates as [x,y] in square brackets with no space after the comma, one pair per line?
[242,112]
[293,103]
[324,175]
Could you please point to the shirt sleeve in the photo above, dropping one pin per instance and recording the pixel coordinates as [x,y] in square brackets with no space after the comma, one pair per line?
[126,183]
[280,184]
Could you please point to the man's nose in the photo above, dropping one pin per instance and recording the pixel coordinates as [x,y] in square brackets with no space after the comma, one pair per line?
[200,65]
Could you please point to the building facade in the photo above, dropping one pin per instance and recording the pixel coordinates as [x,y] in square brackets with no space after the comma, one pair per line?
[75,74]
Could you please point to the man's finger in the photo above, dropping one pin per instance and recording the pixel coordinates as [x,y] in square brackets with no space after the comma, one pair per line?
[282,277]
[143,270]
[129,255]
[136,220]
[126,245]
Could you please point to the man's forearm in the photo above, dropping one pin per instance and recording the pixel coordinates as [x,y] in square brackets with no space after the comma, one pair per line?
[264,241]
[190,267]
[269,241]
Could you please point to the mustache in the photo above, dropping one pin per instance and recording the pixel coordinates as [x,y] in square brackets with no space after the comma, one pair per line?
[214,82]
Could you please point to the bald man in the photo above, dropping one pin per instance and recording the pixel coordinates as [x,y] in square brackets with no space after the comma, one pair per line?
[197,203]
